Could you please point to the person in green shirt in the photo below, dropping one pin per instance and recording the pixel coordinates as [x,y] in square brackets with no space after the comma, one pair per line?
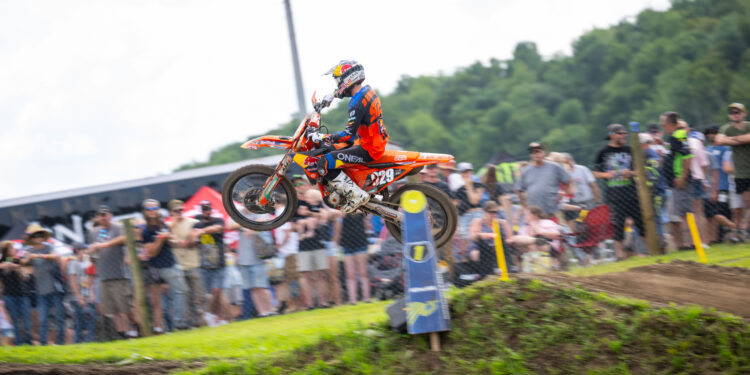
[737,134]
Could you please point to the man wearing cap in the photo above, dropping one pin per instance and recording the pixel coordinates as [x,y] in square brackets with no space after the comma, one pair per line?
[106,240]
[716,206]
[188,257]
[450,176]
[676,172]
[614,164]
[49,291]
[541,181]
[210,235]
[157,243]
[82,297]
[737,134]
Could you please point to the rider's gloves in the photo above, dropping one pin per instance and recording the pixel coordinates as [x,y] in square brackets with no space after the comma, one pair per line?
[316,137]
[323,103]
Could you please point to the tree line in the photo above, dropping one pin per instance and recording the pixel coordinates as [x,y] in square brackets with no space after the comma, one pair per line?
[692,58]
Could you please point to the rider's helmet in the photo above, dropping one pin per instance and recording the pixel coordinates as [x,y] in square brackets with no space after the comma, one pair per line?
[347,73]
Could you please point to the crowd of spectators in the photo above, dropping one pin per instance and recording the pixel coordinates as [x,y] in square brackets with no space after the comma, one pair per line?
[321,257]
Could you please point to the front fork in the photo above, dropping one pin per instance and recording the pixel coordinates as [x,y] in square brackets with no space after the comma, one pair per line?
[273,181]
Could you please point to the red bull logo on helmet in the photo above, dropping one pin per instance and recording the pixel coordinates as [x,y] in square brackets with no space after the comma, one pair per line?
[341,69]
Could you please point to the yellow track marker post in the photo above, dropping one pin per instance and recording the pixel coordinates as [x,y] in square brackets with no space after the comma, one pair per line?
[499,251]
[696,238]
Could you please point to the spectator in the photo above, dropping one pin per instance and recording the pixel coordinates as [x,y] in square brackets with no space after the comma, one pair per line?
[654,180]
[541,181]
[47,281]
[483,236]
[568,211]
[658,136]
[353,241]
[737,134]
[430,175]
[698,170]
[107,239]
[539,236]
[15,282]
[586,191]
[209,230]
[81,296]
[6,328]
[469,195]
[156,286]
[234,301]
[492,188]
[449,175]
[735,200]
[331,218]
[716,206]
[614,164]
[157,244]
[253,269]
[188,258]
[287,243]
[676,171]
[312,259]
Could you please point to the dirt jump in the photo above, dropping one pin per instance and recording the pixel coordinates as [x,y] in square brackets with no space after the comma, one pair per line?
[686,283]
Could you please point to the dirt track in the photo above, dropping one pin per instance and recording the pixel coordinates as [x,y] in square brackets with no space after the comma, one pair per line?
[725,288]
[135,369]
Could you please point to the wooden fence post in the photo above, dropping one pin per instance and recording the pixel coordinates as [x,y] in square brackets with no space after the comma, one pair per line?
[644,193]
[136,271]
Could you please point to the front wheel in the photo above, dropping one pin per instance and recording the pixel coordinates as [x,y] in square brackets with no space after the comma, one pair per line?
[442,213]
[240,194]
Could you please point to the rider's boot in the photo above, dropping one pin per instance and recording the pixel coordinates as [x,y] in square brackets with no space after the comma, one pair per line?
[354,195]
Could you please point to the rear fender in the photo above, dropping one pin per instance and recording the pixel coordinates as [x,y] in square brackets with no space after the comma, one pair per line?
[273,141]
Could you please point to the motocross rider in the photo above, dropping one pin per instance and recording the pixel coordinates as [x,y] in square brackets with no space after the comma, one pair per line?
[364,132]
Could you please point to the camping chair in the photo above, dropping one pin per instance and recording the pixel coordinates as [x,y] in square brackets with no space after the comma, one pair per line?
[596,227]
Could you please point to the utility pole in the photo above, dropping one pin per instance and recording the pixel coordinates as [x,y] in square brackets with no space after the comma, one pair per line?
[295,61]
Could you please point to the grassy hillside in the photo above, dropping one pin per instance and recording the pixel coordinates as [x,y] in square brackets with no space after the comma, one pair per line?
[535,328]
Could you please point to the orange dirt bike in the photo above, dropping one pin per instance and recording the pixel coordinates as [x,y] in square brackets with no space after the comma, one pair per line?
[261,198]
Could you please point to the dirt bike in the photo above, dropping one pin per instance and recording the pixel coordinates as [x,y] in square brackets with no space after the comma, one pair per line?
[262,198]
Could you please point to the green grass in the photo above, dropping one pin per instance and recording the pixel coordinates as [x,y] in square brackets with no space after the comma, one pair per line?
[529,327]
[252,338]
[723,255]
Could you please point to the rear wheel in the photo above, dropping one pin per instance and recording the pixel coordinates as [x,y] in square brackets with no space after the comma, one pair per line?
[442,213]
[240,194]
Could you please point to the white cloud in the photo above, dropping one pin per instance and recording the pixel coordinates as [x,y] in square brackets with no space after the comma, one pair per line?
[97,92]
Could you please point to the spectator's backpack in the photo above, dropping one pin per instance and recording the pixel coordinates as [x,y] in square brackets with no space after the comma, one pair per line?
[264,247]
[211,254]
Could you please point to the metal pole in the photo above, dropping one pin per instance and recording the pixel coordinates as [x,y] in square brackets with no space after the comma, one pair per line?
[295,61]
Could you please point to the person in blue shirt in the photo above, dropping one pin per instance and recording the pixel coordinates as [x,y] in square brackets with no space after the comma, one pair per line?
[716,206]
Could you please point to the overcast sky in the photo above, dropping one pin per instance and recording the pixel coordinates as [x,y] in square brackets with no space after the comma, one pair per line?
[94,92]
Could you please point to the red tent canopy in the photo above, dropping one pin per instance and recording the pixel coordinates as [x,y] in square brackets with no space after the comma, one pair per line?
[193,205]
[193,208]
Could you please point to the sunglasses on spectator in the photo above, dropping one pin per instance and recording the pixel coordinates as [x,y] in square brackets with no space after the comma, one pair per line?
[37,235]
[177,210]
[735,112]
[139,226]
[151,208]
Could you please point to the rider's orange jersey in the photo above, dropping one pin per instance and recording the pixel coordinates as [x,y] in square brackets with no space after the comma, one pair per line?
[365,125]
